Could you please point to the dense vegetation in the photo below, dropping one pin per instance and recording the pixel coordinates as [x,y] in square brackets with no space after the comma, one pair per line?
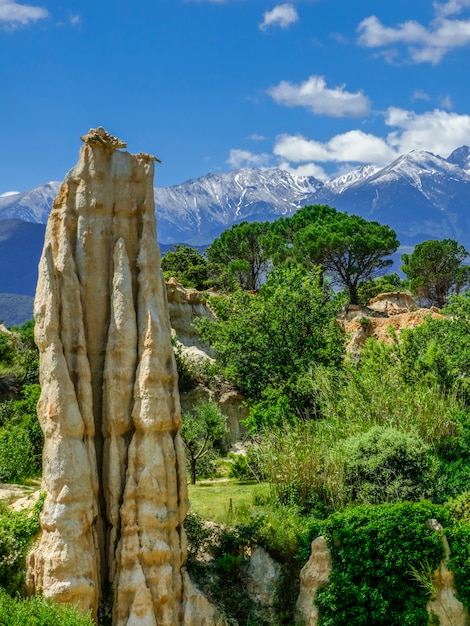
[361,450]
[364,450]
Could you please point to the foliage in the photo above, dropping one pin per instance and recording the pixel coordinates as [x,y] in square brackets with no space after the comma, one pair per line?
[454,460]
[434,269]
[348,247]
[241,251]
[374,552]
[282,233]
[194,372]
[387,465]
[187,265]
[201,428]
[459,543]
[383,388]
[375,286]
[37,611]
[248,466]
[19,358]
[302,465]
[21,437]
[265,341]
[17,529]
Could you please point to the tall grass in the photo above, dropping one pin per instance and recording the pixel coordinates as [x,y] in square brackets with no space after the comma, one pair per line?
[305,461]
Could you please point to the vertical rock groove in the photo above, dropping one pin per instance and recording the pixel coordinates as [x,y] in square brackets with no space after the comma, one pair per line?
[113,461]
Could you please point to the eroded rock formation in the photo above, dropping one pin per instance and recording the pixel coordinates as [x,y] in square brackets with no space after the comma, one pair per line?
[314,575]
[392,311]
[113,463]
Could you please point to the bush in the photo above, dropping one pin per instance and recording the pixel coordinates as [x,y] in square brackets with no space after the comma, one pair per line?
[21,438]
[375,551]
[459,543]
[17,529]
[386,465]
[454,460]
[38,611]
[248,466]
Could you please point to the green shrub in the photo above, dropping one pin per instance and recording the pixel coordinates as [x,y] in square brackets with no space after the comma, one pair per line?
[459,543]
[454,459]
[248,466]
[21,437]
[17,529]
[375,550]
[386,465]
[38,611]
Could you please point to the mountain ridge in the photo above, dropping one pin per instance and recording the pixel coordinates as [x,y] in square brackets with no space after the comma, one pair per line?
[421,195]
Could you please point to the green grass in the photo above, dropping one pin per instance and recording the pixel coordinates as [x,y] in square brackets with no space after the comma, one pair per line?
[211,499]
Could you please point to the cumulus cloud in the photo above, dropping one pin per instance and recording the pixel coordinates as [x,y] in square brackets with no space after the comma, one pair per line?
[316,96]
[437,131]
[244,158]
[307,169]
[355,146]
[282,15]
[451,7]
[13,13]
[424,44]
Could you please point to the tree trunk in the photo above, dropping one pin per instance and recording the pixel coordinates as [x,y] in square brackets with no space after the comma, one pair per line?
[192,464]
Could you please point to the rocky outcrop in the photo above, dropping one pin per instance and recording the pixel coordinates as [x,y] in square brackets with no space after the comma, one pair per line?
[113,463]
[384,315]
[186,306]
[314,575]
[263,577]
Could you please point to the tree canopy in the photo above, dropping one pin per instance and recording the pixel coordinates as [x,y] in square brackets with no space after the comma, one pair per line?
[265,341]
[187,265]
[348,247]
[241,250]
[435,269]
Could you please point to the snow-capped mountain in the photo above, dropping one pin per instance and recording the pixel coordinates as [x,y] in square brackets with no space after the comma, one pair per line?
[29,206]
[199,210]
[420,195]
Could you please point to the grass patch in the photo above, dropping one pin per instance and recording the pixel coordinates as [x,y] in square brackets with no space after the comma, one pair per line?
[226,501]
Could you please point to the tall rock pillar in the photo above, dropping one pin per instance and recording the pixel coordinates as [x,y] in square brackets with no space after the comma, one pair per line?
[113,462]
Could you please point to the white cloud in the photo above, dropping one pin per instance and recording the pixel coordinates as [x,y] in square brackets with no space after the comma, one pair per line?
[424,44]
[244,158]
[9,193]
[451,7]
[256,137]
[418,94]
[13,13]
[355,146]
[437,131]
[307,169]
[282,15]
[316,96]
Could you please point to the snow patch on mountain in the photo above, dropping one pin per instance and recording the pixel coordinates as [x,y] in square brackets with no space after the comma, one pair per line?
[419,194]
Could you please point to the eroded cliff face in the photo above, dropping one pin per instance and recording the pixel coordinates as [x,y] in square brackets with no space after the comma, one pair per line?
[113,463]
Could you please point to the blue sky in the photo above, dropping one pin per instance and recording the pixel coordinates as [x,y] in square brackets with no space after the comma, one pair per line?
[313,86]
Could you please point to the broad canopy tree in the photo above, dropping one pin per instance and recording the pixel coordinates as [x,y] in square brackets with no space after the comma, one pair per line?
[435,270]
[241,250]
[349,248]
